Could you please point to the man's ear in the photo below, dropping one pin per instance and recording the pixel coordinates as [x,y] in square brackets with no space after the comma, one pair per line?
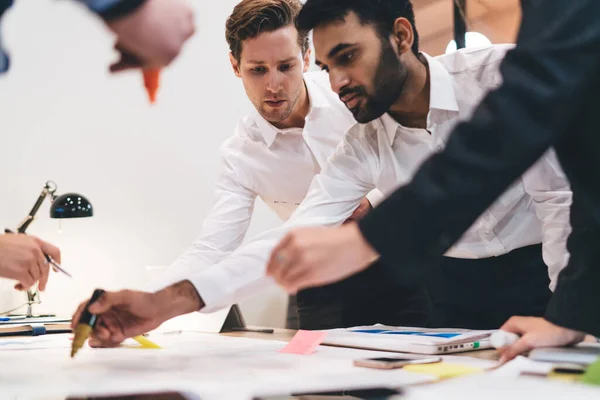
[235,65]
[306,59]
[403,35]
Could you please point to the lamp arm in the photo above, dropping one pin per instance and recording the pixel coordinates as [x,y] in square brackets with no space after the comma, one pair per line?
[49,189]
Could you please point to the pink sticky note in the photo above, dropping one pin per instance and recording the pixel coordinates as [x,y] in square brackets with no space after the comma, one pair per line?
[304,342]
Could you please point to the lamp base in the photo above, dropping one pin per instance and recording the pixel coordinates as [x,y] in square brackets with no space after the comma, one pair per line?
[33,297]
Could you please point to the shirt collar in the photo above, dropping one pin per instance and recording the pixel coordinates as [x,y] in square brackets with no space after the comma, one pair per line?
[390,126]
[317,100]
[441,89]
[441,95]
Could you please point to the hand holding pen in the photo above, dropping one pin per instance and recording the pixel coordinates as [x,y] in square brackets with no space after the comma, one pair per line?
[108,318]
[26,259]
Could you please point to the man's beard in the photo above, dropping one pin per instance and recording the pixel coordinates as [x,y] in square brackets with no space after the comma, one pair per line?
[388,85]
[276,116]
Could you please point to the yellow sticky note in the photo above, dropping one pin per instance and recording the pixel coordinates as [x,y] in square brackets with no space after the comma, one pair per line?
[147,344]
[143,343]
[443,370]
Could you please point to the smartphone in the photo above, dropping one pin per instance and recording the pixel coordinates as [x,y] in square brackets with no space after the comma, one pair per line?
[395,362]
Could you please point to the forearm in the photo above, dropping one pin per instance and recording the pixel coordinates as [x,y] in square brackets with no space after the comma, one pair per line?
[237,276]
[243,272]
[549,189]
[178,299]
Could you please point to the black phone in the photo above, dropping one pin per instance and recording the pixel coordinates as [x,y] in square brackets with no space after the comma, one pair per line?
[395,362]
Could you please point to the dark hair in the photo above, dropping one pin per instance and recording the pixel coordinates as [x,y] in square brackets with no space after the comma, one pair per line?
[250,18]
[381,13]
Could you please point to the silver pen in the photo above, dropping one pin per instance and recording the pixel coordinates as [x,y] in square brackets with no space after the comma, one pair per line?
[57,266]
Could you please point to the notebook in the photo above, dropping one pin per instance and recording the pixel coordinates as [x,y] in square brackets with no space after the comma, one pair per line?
[34,328]
[409,340]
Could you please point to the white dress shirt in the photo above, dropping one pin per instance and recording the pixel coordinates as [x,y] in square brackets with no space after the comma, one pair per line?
[276,165]
[385,155]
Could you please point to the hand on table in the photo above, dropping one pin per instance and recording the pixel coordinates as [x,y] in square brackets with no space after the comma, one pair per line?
[536,332]
[129,313]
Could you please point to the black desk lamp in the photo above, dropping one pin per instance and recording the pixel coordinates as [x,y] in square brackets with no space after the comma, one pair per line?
[70,205]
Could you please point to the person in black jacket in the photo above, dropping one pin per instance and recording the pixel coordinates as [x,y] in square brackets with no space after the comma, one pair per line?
[549,98]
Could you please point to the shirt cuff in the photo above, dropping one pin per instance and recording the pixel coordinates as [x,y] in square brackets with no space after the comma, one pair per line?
[158,284]
[213,285]
[375,197]
[113,9]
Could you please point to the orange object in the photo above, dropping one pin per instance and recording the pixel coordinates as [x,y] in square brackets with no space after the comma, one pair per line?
[151,82]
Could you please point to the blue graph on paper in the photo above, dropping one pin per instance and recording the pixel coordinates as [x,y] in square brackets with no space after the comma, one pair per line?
[427,334]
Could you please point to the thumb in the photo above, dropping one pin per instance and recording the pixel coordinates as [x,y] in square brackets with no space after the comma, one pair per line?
[122,65]
[127,60]
[109,300]
[521,346]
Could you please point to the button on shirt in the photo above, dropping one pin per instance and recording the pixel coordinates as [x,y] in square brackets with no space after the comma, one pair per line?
[276,165]
[385,155]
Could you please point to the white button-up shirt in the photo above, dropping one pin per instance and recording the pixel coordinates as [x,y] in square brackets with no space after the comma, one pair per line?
[277,165]
[385,155]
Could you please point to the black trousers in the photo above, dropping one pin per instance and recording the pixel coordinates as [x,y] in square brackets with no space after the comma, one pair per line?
[484,293]
[367,298]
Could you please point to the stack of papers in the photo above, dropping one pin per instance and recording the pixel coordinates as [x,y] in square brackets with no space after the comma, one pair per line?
[409,340]
[206,365]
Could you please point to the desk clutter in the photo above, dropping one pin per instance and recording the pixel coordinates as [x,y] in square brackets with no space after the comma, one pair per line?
[216,366]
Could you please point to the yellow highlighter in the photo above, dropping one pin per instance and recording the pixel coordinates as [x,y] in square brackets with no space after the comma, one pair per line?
[87,322]
[146,344]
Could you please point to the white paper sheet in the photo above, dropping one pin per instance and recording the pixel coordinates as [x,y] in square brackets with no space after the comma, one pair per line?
[210,366]
[52,341]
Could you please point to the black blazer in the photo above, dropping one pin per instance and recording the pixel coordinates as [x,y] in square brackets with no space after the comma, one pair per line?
[550,96]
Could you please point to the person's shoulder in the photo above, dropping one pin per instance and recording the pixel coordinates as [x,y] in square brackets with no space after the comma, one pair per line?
[246,133]
[465,60]
[480,66]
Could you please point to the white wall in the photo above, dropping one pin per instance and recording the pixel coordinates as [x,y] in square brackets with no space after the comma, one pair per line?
[148,170]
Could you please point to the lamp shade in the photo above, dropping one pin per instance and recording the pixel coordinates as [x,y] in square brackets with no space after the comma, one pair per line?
[71,205]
